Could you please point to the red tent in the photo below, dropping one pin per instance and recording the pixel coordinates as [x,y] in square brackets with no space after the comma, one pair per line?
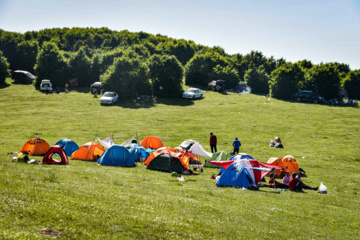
[55,149]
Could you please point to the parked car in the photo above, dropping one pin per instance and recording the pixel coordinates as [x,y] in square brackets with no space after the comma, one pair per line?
[20,76]
[217,86]
[193,93]
[109,98]
[45,85]
[95,88]
[308,96]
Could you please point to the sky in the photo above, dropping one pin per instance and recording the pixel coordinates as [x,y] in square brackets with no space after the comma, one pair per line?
[316,30]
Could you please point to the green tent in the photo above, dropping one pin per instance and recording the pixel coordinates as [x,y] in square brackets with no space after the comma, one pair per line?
[166,163]
[218,156]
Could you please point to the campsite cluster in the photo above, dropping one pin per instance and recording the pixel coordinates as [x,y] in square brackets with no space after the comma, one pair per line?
[240,170]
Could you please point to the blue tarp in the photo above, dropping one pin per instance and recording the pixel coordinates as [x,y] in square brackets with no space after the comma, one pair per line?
[117,156]
[68,146]
[138,151]
[236,175]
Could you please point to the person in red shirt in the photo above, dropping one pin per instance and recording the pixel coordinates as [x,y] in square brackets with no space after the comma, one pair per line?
[213,142]
[297,185]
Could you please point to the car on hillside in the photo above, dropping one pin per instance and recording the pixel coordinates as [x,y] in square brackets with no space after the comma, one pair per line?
[21,76]
[109,98]
[308,96]
[95,88]
[217,86]
[45,85]
[193,93]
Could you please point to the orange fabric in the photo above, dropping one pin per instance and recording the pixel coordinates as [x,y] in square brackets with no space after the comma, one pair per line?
[36,147]
[88,152]
[152,142]
[179,153]
[290,162]
[275,161]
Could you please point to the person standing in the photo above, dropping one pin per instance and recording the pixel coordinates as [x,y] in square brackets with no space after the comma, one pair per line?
[213,142]
[236,145]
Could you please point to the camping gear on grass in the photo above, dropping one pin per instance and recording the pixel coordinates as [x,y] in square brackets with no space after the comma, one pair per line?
[90,151]
[58,151]
[236,175]
[117,156]
[290,162]
[139,152]
[322,188]
[68,146]
[166,162]
[36,147]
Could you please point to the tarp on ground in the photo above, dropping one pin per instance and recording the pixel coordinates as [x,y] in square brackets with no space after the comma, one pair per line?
[195,148]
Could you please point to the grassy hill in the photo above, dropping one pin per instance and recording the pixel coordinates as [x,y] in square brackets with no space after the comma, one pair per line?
[85,201]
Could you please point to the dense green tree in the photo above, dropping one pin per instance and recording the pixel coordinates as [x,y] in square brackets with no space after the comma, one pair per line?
[204,67]
[4,68]
[80,68]
[352,84]
[258,80]
[27,52]
[166,73]
[8,45]
[95,69]
[286,80]
[128,77]
[305,64]
[51,65]
[325,80]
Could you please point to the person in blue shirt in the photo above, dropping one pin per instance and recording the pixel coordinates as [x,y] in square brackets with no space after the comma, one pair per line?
[236,145]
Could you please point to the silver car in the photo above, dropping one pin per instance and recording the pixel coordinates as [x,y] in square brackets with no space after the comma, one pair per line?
[109,98]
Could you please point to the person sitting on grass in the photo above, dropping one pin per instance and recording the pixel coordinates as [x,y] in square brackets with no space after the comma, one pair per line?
[297,185]
[277,184]
[286,178]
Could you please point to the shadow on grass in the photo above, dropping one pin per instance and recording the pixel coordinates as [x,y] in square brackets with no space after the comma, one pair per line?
[149,104]
[4,85]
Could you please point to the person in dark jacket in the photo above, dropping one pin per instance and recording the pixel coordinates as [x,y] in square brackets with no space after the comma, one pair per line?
[213,142]
[236,145]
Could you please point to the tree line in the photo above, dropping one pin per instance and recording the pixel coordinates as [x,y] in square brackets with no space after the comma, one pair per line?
[142,63]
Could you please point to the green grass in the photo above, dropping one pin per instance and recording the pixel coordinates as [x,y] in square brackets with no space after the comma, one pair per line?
[85,201]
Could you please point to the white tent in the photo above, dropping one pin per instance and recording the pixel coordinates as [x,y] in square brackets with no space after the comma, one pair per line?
[195,148]
[108,142]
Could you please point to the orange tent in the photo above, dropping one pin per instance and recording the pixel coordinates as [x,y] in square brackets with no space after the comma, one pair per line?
[152,142]
[36,147]
[181,154]
[89,152]
[290,162]
[275,161]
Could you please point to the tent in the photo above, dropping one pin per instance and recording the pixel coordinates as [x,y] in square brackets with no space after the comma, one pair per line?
[218,156]
[139,152]
[89,152]
[184,156]
[166,163]
[195,148]
[117,156]
[236,158]
[36,147]
[236,175]
[276,161]
[68,146]
[55,150]
[151,142]
[290,162]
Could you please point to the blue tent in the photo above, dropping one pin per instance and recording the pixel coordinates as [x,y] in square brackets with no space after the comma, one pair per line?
[117,156]
[138,151]
[237,157]
[68,146]
[236,175]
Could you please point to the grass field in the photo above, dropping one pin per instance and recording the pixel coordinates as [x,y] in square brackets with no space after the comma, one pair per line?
[85,201]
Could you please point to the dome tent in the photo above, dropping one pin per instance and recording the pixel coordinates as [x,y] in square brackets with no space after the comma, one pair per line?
[68,145]
[90,151]
[55,150]
[117,156]
[36,147]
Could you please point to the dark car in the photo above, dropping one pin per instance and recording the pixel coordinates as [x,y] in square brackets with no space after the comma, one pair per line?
[217,86]
[308,96]
[95,88]
[21,76]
